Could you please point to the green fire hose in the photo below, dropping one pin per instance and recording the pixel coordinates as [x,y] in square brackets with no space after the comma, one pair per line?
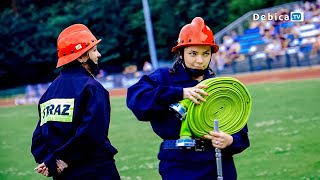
[228,100]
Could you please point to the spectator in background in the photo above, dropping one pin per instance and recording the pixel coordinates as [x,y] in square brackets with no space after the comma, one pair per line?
[316,46]
[234,36]
[277,22]
[306,6]
[297,8]
[71,138]
[315,13]
[31,95]
[131,71]
[20,100]
[318,4]
[232,50]
[254,24]
[273,51]
[147,67]
[266,25]
[308,9]
[295,30]
[274,48]
[41,89]
[268,31]
[130,75]
[267,36]
[218,60]
[284,42]
[101,74]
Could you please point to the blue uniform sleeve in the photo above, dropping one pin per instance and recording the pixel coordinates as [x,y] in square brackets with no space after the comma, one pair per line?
[150,95]
[240,142]
[38,146]
[90,133]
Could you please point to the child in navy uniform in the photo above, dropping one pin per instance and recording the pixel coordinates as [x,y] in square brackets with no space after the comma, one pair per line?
[150,98]
[71,137]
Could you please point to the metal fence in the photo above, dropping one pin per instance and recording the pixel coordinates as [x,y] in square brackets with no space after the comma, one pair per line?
[293,57]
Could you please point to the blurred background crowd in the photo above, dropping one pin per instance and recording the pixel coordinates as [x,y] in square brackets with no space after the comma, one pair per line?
[268,44]
[28,39]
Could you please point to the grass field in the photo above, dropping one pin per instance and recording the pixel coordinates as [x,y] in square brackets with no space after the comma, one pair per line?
[284,133]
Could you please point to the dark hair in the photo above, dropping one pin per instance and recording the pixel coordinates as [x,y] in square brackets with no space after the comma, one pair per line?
[179,61]
[72,64]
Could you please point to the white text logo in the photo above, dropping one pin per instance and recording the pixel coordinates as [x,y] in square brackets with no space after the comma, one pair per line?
[294,16]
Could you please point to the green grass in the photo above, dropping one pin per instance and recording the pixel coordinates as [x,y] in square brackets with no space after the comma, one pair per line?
[283,130]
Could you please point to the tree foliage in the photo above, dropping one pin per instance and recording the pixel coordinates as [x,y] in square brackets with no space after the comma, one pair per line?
[29,29]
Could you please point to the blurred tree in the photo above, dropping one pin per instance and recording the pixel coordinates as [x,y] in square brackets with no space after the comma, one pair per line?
[237,8]
[29,30]
[170,16]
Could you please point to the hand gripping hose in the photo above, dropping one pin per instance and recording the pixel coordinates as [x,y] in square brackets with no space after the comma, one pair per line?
[228,101]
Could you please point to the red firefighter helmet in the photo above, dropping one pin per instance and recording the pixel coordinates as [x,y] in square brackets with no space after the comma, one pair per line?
[196,33]
[74,41]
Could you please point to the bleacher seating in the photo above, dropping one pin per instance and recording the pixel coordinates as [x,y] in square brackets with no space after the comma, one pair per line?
[275,44]
[251,37]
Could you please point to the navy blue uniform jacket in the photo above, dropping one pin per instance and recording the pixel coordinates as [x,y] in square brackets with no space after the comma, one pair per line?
[149,100]
[74,117]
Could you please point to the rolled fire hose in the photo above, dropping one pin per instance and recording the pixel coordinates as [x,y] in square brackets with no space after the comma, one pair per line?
[228,101]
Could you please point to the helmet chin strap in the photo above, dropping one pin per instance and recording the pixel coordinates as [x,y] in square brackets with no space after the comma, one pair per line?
[194,72]
[93,67]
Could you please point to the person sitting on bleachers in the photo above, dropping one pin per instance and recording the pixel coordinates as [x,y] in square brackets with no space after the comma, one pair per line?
[147,67]
[317,4]
[273,50]
[295,31]
[20,100]
[218,61]
[41,89]
[234,36]
[307,12]
[280,25]
[297,8]
[101,74]
[130,75]
[232,49]
[267,36]
[315,13]
[284,42]
[268,31]
[254,24]
[316,47]
[31,95]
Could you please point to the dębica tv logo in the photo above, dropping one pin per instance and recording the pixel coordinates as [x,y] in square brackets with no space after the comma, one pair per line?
[294,16]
